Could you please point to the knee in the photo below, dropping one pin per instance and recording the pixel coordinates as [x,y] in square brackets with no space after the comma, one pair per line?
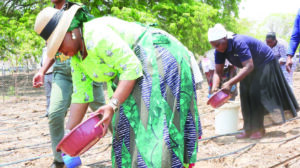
[56,118]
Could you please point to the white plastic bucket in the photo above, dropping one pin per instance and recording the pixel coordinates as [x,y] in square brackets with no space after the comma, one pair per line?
[226,118]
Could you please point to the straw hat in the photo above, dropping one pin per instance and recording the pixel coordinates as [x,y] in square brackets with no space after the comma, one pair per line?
[216,33]
[52,24]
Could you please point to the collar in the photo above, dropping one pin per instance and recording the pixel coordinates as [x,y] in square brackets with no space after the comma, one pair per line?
[229,45]
[276,44]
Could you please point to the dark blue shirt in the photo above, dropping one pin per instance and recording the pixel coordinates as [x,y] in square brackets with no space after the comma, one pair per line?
[295,37]
[242,48]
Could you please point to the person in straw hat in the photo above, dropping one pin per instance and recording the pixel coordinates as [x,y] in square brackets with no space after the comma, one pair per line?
[264,93]
[152,106]
[62,86]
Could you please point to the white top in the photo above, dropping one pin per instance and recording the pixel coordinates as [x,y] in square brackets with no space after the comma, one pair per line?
[196,70]
[208,63]
[43,59]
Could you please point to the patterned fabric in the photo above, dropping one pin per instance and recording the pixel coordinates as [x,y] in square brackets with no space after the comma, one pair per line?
[279,51]
[81,16]
[158,125]
[106,59]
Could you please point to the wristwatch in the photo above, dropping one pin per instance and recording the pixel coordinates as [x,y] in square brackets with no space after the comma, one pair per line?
[114,103]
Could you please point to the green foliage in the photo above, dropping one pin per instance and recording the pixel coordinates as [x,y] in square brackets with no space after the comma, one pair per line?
[187,20]
[18,41]
[189,23]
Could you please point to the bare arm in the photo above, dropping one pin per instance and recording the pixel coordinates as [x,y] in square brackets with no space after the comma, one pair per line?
[122,92]
[289,63]
[38,79]
[217,77]
[232,71]
[78,111]
[47,64]
[248,67]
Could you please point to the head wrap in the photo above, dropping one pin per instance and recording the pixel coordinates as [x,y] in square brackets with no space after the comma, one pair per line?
[271,36]
[216,33]
[80,17]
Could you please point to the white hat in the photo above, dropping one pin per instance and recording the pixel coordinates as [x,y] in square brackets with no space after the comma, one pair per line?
[216,33]
[52,24]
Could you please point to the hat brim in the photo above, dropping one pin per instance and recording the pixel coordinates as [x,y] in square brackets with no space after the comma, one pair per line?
[58,35]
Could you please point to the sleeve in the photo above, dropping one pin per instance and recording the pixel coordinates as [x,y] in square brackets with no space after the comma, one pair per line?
[212,65]
[82,84]
[243,51]
[219,58]
[282,52]
[197,74]
[205,65]
[117,54]
[43,57]
[295,37]
[227,63]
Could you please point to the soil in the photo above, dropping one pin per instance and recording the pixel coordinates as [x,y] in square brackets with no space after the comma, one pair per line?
[25,139]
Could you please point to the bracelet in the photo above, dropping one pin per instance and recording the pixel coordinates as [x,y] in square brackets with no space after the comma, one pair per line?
[114,103]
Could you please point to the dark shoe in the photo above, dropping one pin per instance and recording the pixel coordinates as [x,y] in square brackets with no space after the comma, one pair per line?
[56,164]
[243,135]
[257,134]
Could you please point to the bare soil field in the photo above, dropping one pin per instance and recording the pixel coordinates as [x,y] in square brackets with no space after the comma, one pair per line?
[25,139]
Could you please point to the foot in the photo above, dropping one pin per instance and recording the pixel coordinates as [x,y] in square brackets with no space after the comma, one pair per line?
[243,135]
[257,134]
[56,164]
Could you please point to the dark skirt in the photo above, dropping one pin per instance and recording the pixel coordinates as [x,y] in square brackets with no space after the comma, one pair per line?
[266,97]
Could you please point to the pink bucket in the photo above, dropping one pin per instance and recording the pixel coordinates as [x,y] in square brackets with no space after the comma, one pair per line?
[81,138]
[218,99]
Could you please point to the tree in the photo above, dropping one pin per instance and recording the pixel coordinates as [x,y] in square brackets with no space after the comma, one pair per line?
[187,20]
[18,41]
[226,7]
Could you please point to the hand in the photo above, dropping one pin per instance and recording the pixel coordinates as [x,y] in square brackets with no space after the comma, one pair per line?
[281,63]
[227,86]
[289,63]
[214,89]
[107,112]
[38,80]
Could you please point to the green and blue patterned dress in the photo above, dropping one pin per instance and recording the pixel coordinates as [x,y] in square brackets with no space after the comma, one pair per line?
[158,125]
